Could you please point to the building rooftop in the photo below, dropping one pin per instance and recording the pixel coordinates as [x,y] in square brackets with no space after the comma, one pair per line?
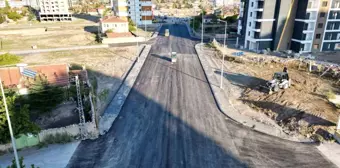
[113,19]
[55,74]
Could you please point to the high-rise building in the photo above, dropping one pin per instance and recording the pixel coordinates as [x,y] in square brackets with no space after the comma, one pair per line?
[139,11]
[300,25]
[54,10]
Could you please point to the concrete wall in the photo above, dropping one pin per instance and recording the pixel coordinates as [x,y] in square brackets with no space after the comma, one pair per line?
[73,130]
[122,40]
[115,27]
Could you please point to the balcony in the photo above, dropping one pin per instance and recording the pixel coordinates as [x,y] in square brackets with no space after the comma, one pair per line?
[334,15]
[259,6]
[335,6]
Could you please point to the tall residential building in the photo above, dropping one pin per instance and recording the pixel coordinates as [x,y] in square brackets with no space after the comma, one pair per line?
[54,10]
[137,10]
[300,25]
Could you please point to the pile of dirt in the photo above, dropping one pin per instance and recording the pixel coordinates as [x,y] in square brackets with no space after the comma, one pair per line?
[301,109]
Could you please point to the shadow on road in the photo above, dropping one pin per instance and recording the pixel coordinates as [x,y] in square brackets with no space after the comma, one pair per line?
[162,125]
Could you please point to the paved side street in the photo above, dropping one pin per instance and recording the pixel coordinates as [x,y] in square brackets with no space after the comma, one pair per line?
[53,156]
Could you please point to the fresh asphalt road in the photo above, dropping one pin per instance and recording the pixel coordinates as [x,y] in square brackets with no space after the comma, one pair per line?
[170,119]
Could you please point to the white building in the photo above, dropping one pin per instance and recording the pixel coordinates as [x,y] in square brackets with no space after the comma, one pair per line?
[20,3]
[54,10]
[115,24]
[219,3]
[139,11]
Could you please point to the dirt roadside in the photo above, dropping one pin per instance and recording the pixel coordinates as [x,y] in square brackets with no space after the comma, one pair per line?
[105,67]
[303,109]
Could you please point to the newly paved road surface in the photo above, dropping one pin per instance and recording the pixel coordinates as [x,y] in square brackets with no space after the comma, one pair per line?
[170,119]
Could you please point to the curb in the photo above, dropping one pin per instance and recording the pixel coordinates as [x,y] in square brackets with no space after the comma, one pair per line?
[115,106]
[233,114]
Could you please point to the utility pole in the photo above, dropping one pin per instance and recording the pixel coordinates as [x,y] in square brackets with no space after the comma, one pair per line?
[202,28]
[137,50]
[80,109]
[145,26]
[10,126]
[224,41]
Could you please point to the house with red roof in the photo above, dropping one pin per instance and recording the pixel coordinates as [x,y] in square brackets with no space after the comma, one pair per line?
[115,24]
[22,76]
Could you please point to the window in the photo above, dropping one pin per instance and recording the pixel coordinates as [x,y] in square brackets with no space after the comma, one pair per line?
[322,14]
[252,4]
[320,25]
[248,33]
[251,14]
[329,46]
[316,46]
[324,4]
[249,24]
[318,36]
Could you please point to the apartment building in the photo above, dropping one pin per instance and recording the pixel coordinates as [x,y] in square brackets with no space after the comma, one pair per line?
[300,25]
[139,11]
[20,3]
[54,10]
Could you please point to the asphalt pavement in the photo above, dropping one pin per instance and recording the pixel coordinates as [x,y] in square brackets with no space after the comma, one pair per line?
[170,119]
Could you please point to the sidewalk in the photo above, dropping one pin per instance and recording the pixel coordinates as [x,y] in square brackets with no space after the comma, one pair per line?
[225,100]
[21,52]
[331,151]
[113,109]
[53,156]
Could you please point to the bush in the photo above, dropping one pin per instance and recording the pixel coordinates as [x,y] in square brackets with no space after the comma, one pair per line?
[132,26]
[330,95]
[9,59]
[231,19]
[21,164]
[2,18]
[14,15]
[58,138]
[109,31]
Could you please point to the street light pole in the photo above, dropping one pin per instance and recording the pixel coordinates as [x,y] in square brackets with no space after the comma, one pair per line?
[137,50]
[224,41]
[202,29]
[10,126]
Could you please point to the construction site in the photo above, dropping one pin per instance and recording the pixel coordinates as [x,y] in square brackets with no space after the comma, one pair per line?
[308,106]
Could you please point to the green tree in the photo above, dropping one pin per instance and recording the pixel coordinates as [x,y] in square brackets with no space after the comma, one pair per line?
[2,18]
[132,26]
[42,96]
[21,164]
[9,59]
[14,15]
[19,116]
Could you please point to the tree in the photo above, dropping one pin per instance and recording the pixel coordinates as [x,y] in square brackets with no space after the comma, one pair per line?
[14,15]
[109,31]
[174,5]
[2,18]
[19,116]
[42,96]
[21,164]
[132,26]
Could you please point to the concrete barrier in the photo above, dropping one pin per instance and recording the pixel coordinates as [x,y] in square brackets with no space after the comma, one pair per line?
[113,109]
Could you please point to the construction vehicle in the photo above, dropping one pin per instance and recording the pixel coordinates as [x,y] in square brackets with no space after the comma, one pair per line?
[167,33]
[280,81]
